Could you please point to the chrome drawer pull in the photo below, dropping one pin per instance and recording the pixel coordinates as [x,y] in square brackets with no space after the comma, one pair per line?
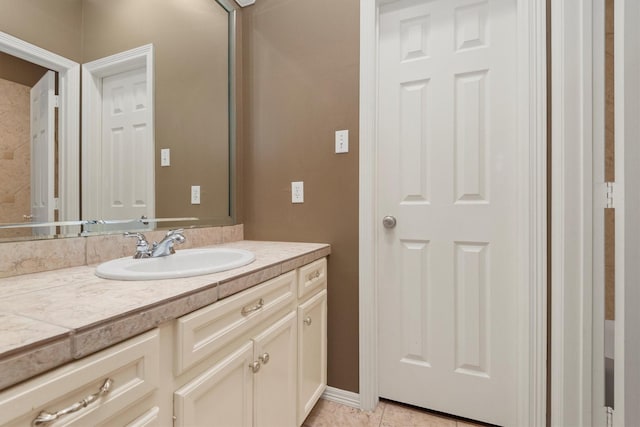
[47,417]
[307,321]
[314,275]
[250,309]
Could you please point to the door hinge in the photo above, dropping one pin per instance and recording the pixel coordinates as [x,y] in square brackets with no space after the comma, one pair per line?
[609,416]
[609,190]
[56,101]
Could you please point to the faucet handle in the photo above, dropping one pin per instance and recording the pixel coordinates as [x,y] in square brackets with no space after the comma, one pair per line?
[142,246]
[177,235]
[141,238]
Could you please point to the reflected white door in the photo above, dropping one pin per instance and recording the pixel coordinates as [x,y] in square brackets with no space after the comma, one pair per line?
[43,151]
[127,147]
[447,172]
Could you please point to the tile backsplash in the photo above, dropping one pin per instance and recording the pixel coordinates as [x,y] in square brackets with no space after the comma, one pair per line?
[18,258]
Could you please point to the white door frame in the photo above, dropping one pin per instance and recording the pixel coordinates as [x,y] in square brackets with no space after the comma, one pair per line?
[627,204]
[68,119]
[92,74]
[575,120]
[532,182]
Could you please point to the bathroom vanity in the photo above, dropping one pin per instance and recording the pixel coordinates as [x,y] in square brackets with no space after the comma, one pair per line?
[245,347]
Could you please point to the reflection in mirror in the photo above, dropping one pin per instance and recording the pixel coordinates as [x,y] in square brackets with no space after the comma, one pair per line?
[17,188]
[190,104]
[38,137]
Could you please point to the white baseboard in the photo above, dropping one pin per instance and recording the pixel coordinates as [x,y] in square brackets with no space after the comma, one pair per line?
[343,397]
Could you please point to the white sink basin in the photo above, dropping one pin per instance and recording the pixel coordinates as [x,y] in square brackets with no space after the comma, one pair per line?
[184,263]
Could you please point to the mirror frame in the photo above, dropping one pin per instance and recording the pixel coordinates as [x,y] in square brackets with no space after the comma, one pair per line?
[232,46]
[68,119]
[69,125]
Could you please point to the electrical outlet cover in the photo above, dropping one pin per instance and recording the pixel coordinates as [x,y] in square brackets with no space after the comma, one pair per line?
[297,192]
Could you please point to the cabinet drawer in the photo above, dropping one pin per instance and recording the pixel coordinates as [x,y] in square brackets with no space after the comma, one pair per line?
[132,367]
[312,277]
[207,330]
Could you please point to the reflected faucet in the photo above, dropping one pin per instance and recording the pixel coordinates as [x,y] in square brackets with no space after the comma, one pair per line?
[164,248]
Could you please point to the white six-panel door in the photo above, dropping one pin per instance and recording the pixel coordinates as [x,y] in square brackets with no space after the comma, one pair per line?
[127,147]
[42,151]
[447,147]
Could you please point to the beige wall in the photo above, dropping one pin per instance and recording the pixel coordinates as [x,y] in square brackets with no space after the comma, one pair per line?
[52,25]
[301,85]
[20,71]
[190,53]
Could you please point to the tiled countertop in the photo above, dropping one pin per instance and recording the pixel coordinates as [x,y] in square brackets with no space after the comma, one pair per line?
[51,318]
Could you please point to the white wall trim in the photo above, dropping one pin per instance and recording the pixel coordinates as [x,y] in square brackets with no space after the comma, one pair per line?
[627,204]
[342,397]
[68,120]
[92,74]
[368,306]
[598,411]
[571,212]
[532,132]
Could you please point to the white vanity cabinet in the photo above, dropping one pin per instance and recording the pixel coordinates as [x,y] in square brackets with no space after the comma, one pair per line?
[256,358]
[117,386]
[273,338]
[254,383]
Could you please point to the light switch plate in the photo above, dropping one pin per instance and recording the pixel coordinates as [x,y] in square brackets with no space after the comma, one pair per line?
[165,157]
[342,141]
[297,192]
[195,194]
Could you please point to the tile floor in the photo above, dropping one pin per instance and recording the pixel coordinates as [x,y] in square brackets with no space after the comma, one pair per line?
[388,414]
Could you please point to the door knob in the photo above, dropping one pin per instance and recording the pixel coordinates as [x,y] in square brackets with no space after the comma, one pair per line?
[389,221]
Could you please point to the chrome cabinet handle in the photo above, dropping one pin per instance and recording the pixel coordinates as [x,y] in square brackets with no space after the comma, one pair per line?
[255,367]
[47,417]
[314,275]
[307,321]
[264,358]
[251,308]
[389,221]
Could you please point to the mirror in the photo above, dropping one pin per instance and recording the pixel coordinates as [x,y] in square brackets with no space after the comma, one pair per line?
[190,64]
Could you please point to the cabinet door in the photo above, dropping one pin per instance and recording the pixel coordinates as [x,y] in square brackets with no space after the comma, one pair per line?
[221,396]
[275,382]
[312,353]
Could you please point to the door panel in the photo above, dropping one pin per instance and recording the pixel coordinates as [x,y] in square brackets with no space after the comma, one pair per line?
[447,155]
[127,147]
[275,382]
[221,396]
[312,353]
[42,152]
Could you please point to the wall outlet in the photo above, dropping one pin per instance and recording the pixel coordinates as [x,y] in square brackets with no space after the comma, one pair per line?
[342,141]
[195,194]
[165,157]
[297,192]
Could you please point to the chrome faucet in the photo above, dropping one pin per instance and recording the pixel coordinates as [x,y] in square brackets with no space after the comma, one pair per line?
[164,248]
